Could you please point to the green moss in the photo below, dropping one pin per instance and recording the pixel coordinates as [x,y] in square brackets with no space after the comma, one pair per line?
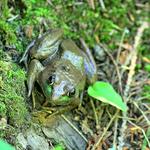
[2,109]
[12,102]
[4,11]
[144,47]
[7,33]
[79,20]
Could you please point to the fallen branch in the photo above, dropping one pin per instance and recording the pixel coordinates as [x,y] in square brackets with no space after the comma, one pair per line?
[129,80]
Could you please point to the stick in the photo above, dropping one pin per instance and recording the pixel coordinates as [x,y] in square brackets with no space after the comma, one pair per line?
[129,80]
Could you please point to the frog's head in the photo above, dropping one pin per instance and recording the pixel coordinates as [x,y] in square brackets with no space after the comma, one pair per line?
[63,90]
[63,84]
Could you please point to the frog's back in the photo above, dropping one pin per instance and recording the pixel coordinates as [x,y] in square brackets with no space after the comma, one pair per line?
[72,53]
[70,45]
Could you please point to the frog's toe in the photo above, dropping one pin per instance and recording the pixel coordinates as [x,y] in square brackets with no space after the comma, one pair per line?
[34,68]
[30,83]
[29,90]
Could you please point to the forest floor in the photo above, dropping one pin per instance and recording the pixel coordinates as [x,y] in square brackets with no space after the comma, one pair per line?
[118,35]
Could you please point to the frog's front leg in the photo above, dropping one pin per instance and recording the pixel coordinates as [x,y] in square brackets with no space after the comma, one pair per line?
[34,68]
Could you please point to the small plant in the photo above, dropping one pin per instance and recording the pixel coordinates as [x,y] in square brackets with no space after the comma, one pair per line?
[105,92]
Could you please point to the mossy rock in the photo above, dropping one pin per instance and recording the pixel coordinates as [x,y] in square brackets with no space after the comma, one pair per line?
[12,94]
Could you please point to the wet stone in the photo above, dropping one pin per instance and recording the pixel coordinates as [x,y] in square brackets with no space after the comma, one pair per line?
[32,141]
[62,132]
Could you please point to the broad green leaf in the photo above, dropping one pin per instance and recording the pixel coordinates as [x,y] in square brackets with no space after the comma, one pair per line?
[5,146]
[104,92]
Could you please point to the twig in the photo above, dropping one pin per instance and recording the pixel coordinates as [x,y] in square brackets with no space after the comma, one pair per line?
[95,114]
[143,98]
[145,141]
[116,66]
[145,136]
[147,106]
[105,130]
[115,133]
[91,4]
[141,117]
[102,4]
[134,57]
[74,128]
[12,18]
[129,79]
[127,118]
[120,44]
[147,120]
[148,130]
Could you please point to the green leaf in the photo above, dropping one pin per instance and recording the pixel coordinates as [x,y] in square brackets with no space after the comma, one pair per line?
[5,146]
[104,92]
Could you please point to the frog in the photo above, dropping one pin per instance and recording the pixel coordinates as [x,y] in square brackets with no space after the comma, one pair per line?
[60,68]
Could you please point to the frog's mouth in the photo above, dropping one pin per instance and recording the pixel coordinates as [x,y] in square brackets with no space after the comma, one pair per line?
[62,100]
[48,91]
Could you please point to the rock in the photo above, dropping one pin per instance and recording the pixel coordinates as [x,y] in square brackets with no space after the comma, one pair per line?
[62,132]
[32,140]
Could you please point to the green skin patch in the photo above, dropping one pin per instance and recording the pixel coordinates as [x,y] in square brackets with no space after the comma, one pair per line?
[65,98]
[48,92]
[48,89]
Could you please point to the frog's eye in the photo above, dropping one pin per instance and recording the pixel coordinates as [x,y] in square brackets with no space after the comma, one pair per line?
[72,92]
[51,79]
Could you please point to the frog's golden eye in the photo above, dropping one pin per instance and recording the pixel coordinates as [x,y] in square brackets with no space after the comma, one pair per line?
[72,92]
[51,79]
